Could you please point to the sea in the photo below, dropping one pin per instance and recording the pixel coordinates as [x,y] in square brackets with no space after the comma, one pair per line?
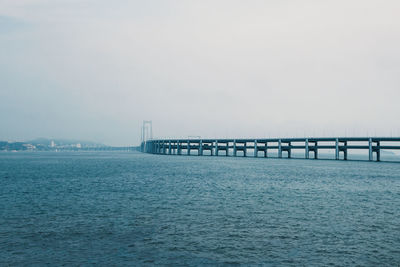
[135,209]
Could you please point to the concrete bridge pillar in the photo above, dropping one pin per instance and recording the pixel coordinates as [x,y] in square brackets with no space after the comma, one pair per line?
[378,151]
[315,150]
[266,150]
[307,150]
[227,149]
[201,148]
[179,151]
[234,148]
[188,147]
[337,149]
[345,150]
[216,147]
[255,149]
[289,150]
[245,149]
[370,152]
[169,147]
[280,148]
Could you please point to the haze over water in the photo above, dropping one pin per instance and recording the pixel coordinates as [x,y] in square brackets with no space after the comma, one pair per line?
[140,209]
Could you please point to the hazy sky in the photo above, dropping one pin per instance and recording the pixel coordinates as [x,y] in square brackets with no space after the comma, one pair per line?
[94,69]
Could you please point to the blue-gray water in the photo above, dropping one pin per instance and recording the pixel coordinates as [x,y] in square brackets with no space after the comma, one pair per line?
[137,209]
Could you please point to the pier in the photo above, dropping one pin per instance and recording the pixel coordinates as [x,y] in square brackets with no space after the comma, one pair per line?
[283,147]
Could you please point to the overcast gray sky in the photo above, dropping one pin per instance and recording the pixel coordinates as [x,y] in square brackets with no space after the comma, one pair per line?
[94,69]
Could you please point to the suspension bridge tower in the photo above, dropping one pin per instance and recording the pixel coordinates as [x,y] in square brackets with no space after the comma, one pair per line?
[147,134]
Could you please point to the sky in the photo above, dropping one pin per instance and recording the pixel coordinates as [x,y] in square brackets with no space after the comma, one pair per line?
[95,69]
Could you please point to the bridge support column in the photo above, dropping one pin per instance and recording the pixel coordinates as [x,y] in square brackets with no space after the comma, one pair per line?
[370,151]
[179,151]
[255,149]
[289,150]
[216,147]
[188,147]
[280,148]
[266,150]
[169,147]
[234,148]
[245,149]
[345,151]
[307,149]
[337,149]
[201,148]
[378,151]
[316,150]
[227,149]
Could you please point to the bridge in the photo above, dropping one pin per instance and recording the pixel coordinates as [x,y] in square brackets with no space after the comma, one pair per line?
[283,146]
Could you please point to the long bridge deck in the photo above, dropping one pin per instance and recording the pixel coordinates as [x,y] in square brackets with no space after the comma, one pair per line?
[312,146]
